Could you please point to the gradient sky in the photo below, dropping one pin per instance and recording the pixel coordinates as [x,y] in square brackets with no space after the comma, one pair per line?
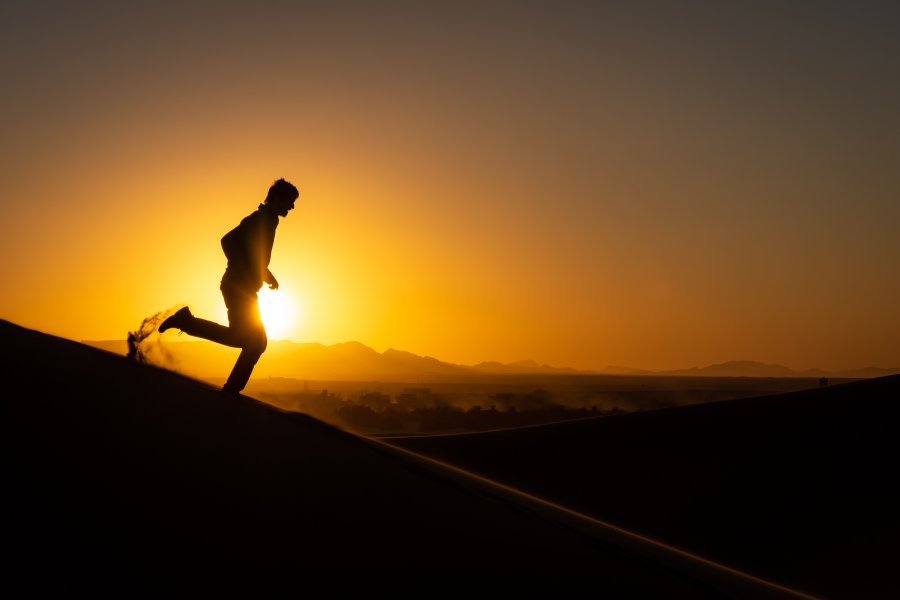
[650,184]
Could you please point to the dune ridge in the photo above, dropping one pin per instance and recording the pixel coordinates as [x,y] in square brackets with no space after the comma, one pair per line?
[124,471]
[793,487]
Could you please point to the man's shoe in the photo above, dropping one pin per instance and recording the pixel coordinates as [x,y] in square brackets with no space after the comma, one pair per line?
[178,320]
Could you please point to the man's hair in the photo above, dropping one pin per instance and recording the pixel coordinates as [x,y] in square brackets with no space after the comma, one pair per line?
[282,190]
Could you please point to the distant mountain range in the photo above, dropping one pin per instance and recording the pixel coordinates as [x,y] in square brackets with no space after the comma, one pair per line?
[749,368]
[355,361]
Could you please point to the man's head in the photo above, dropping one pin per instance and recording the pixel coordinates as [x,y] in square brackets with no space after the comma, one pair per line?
[281,197]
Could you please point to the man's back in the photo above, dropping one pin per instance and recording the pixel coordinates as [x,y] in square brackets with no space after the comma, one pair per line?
[248,248]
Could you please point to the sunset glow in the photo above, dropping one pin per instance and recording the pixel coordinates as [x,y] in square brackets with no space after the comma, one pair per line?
[279,312]
[582,184]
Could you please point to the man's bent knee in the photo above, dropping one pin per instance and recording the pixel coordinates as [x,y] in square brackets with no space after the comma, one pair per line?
[255,341]
[258,342]
[252,336]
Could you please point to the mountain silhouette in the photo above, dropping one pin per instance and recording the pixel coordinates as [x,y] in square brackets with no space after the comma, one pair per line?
[736,368]
[357,362]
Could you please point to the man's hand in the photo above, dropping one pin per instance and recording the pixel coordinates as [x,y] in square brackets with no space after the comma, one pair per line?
[270,279]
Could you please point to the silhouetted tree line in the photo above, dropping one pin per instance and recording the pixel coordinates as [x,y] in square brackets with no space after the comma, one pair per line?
[420,410]
[427,410]
[448,418]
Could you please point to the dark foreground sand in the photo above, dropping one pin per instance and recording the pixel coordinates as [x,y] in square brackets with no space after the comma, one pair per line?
[798,488]
[126,478]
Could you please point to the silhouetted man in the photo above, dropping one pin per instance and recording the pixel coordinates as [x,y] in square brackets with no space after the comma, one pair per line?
[248,248]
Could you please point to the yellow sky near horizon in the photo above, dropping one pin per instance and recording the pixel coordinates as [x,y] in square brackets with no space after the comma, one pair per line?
[579,185]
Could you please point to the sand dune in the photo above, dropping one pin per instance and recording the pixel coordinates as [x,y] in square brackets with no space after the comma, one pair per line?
[124,474]
[794,487]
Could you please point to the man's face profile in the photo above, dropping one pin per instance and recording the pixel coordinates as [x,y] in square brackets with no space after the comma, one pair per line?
[283,206]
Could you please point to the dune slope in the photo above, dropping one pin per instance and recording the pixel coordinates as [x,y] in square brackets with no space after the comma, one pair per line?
[793,487]
[117,470]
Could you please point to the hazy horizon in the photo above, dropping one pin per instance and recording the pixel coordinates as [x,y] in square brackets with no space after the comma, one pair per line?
[644,184]
[168,344]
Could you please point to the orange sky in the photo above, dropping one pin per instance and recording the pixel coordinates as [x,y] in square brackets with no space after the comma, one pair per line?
[637,184]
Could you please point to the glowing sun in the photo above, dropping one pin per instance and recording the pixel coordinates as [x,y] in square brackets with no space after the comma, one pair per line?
[278,310]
